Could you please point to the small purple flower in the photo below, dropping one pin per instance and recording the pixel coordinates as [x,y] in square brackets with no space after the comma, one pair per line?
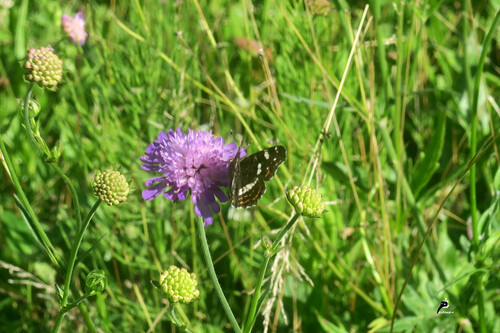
[75,27]
[196,162]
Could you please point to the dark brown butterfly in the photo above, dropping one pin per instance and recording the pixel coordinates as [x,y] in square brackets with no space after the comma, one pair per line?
[247,175]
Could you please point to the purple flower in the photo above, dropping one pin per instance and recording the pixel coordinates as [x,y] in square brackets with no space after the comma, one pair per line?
[196,162]
[75,27]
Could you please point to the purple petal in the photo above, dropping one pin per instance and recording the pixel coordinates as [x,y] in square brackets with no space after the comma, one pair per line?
[203,210]
[162,136]
[221,196]
[176,193]
[79,16]
[155,180]
[153,191]
[65,18]
[231,146]
[150,167]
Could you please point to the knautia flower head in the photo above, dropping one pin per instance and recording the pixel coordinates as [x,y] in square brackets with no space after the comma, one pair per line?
[74,27]
[306,201]
[43,67]
[195,162]
[96,282]
[111,186]
[179,285]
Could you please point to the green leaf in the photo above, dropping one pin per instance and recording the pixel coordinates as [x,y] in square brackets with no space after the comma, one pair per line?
[429,163]
[59,293]
[338,171]
[490,244]
[406,324]
[377,324]
[156,284]
[485,220]
[328,326]
[18,237]
[251,321]
[496,181]
[464,273]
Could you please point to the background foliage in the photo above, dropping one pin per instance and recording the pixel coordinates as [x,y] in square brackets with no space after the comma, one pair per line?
[404,120]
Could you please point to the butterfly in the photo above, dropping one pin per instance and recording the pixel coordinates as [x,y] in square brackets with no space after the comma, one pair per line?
[247,175]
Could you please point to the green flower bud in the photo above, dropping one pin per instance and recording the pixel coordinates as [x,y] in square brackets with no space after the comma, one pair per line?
[111,186]
[43,67]
[266,243]
[33,106]
[178,285]
[306,201]
[96,282]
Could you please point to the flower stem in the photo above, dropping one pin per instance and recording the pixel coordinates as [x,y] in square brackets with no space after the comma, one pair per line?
[32,218]
[26,118]
[213,276]
[38,143]
[71,266]
[283,232]
[86,318]
[252,314]
[185,321]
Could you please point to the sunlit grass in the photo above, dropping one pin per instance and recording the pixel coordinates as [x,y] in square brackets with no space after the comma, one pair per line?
[375,105]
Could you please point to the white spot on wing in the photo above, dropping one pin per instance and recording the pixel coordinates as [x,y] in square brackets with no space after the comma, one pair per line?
[259,168]
[247,187]
[266,154]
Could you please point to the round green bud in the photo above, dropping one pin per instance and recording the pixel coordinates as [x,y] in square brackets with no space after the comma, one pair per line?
[266,243]
[33,106]
[96,282]
[179,285]
[43,67]
[306,201]
[111,186]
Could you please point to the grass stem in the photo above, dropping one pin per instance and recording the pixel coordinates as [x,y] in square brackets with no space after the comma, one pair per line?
[473,142]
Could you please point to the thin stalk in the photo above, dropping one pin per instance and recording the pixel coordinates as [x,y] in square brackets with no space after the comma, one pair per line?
[74,196]
[247,327]
[85,314]
[27,206]
[185,319]
[36,143]
[398,118]
[26,118]
[213,276]
[71,266]
[35,224]
[475,223]
[58,322]
[381,53]
[83,310]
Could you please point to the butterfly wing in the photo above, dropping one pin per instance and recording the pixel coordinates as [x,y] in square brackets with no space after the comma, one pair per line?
[248,175]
